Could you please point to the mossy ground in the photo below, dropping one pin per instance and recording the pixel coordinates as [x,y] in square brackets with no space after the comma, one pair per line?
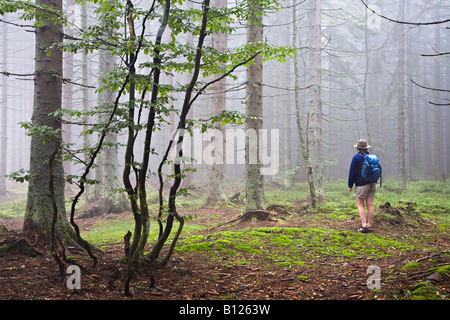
[293,246]
[307,254]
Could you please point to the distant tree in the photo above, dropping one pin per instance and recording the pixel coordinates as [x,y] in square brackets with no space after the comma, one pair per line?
[438,113]
[253,180]
[4,112]
[401,99]
[107,171]
[216,190]
[314,118]
[298,113]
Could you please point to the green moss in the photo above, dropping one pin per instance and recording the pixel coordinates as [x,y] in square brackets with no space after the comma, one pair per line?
[424,291]
[411,266]
[224,246]
[194,239]
[108,231]
[249,249]
[282,240]
[291,246]
[444,270]
[445,227]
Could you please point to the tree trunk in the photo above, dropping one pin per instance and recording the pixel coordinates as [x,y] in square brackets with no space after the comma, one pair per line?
[216,170]
[413,170]
[107,170]
[401,99]
[47,99]
[68,92]
[314,130]
[427,154]
[253,180]
[299,118]
[438,172]
[366,73]
[4,110]
[288,176]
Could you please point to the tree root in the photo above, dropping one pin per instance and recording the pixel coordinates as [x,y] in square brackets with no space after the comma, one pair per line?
[18,245]
[405,214]
[261,215]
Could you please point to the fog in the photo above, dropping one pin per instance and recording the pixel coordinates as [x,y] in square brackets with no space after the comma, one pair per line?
[380,80]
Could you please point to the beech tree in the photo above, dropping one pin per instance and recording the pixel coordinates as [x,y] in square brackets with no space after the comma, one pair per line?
[147,96]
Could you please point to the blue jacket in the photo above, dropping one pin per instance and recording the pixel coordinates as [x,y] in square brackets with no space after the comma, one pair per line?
[354,176]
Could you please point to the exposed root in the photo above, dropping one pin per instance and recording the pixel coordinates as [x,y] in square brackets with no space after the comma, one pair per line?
[261,215]
[16,244]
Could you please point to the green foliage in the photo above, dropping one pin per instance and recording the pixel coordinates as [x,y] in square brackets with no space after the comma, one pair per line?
[111,33]
[40,14]
[44,131]
[20,175]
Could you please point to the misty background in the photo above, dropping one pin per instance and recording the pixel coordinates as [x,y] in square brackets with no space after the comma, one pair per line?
[369,67]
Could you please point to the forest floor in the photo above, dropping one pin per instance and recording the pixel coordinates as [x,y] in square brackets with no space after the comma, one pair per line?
[301,254]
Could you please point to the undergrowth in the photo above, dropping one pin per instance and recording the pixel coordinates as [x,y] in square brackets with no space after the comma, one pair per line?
[292,245]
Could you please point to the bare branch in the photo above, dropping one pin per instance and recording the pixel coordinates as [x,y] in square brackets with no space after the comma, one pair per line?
[428,88]
[405,22]
[6,73]
[18,25]
[439,104]
[222,76]
[436,54]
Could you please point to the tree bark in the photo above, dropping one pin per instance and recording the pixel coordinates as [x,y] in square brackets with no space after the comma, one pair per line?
[366,74]
[68,92]
[401,99]
[216,170]
[4,112]
[314,128]
[107,170]
[253,180]
[287,175]
[438,172]
[47,99]
[413,169]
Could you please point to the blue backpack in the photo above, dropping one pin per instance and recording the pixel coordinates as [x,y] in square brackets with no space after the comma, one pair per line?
[371,169]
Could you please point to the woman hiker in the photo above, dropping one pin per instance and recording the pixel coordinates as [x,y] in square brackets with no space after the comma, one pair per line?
[364,191]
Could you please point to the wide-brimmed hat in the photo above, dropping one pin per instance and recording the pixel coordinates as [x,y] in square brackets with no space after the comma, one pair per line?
[362,144]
